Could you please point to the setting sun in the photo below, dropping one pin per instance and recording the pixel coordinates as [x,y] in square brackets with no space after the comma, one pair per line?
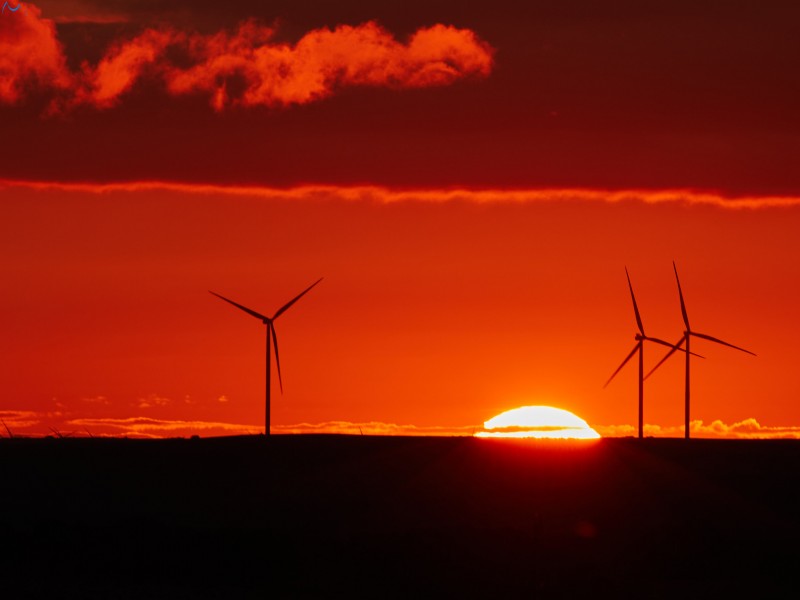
[544,422]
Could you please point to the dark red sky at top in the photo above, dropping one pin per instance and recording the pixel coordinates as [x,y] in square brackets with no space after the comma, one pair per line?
[581,94]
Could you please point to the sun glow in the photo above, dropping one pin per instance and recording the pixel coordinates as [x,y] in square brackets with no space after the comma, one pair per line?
[544,422]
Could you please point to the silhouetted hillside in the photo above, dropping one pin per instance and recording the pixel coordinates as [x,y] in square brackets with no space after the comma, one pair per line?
[320,516]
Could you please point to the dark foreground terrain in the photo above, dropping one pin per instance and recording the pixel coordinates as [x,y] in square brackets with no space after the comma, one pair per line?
[323,516]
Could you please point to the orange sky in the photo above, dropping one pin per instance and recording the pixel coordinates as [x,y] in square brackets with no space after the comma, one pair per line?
[470,187]
[433,313]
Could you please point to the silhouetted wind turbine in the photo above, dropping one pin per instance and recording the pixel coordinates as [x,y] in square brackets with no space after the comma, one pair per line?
[272,338]
[639,347]
[60,435]
[685,341]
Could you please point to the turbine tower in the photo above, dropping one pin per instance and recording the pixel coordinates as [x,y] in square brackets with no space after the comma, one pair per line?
[272,339]
[639,347]
[684,341]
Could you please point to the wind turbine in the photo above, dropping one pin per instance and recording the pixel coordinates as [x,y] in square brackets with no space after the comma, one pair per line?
[272,338]
[639,347]
[687,334]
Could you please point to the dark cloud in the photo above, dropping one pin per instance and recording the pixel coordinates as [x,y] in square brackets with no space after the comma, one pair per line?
[269,73]
[620,95]
[30,56]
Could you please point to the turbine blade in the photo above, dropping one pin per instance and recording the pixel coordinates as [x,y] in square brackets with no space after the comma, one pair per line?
[667,344]
[240,307]
[624,362]
[635,307]
[277,356]
[675,348]
[286,306]
[680,293]
[718,341]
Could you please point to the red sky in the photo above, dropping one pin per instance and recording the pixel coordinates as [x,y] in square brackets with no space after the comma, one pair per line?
[470,180]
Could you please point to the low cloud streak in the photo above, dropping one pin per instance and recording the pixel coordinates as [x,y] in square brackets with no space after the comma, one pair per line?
[161,428]
[373,428]
[746,429]
[38,424]
[383,195]
[18,419]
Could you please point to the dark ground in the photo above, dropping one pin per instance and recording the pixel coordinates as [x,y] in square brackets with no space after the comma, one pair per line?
[322,516]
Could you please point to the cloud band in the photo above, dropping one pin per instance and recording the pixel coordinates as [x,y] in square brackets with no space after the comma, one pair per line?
[384,195]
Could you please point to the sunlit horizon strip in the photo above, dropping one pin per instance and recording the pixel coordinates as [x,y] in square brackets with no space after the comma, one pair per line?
[532,434]
[444,194]
[539,422]
[24,423]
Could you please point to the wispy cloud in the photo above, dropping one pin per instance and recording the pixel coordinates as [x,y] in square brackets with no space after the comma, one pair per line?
[245,67]
[102,400]
[22,422]
[76,423]
[159,428]
[373,428]
[276,74]
[30,56]
[122,66]
[382,195]
[18,419]
[152,401]
[745,429]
